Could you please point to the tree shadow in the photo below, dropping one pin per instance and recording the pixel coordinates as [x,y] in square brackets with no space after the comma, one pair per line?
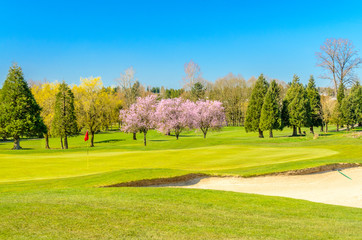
[110,141]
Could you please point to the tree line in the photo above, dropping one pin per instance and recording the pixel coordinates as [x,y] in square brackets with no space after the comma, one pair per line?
[302,106]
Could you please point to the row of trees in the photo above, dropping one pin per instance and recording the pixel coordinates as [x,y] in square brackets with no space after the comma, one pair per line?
[55,109]
[171,116]
[302,106]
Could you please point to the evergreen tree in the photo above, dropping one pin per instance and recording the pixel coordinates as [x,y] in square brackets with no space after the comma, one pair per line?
[348,111]
[296,106]
[197,91]
[315,105]
[20,114]
[338,114]
[253,113]
[64,122]
[356,97]
[270,113]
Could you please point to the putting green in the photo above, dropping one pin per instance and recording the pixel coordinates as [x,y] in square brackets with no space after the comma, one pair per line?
[67,164]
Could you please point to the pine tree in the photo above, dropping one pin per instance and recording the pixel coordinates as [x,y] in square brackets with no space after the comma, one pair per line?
[20,114]
[315,105]
[348,111]
[197,91]
[270,113]
[356,95]
[253,113]
[64,122]
[296,106]
[338,114]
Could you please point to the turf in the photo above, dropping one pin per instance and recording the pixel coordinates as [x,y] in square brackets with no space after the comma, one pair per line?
[53,194]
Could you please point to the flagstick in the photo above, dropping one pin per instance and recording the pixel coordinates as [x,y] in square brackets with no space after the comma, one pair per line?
[87,154]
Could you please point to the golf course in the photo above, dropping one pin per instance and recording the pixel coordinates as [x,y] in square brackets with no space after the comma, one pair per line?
[59,194]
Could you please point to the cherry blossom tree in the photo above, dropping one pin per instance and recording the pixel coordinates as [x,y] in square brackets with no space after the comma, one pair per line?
[174,115]
[140,117]
[208,115]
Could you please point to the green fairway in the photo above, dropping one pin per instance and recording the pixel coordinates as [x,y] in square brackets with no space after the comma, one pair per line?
[52,194]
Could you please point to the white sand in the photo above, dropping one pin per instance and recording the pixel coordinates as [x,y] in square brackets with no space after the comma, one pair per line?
[328,187]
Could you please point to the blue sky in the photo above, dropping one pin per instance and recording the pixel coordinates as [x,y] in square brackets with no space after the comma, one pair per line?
[63,40]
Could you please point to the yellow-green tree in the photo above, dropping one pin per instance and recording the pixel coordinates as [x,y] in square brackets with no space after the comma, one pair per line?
[44,94]
[90,104]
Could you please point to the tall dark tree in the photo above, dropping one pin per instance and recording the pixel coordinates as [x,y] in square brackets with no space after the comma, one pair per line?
[356,97]
[271,111]
[316,119]
[20,114]
[296,106]
[253,113]
[348,112]
[338,114]
[197,91]
[64,122]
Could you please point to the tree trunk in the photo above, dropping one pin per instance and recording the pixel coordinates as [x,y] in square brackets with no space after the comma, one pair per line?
[322,128]
[348,127]
[337,128]
[295,131]
[261,135]
[66,142]
[134,136]
[326,128]
[312,130]
[271,133]
[46,136]
[92,139]
[144,138]
[300,131]
[61,142]
[16,143]
[177,134]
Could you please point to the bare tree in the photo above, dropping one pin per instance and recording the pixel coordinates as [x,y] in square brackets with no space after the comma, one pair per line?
[339,58]
[193,75]
[126,81]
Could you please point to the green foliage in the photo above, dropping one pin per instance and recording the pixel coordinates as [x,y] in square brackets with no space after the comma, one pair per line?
[315,104]
[198,91]
[356,98]
[348,112]
[296,105]
[173,93]
[270,112]
[64,122]
[253,113]
[340,93]
[20,113]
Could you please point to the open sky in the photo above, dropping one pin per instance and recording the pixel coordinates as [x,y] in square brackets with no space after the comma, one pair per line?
[66,40]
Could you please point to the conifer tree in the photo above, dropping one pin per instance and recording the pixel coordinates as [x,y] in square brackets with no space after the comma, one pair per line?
[296,105]
[252,119]
[315,105]
[64,121]
[270,113]
[338,115]
[348,111]
[20,114]
[356,95]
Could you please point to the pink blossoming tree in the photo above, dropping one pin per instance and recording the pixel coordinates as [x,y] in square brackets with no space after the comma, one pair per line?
[208,115]
[140,117]
[174,115]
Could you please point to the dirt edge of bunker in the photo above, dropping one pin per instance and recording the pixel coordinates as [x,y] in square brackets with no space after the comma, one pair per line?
[192,176]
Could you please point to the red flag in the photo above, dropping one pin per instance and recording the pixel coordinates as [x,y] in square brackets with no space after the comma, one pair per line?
[86,137]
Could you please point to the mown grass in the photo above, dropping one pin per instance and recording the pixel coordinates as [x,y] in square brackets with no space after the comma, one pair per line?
[53,194]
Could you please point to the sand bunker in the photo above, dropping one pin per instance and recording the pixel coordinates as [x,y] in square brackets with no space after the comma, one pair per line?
[327,187]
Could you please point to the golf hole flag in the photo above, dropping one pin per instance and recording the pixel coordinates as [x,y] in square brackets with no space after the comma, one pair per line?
[86,137]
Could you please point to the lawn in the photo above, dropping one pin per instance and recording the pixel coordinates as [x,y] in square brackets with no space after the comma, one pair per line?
[53,194]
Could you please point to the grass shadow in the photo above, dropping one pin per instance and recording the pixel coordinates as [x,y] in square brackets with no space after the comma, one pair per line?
[111,141]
